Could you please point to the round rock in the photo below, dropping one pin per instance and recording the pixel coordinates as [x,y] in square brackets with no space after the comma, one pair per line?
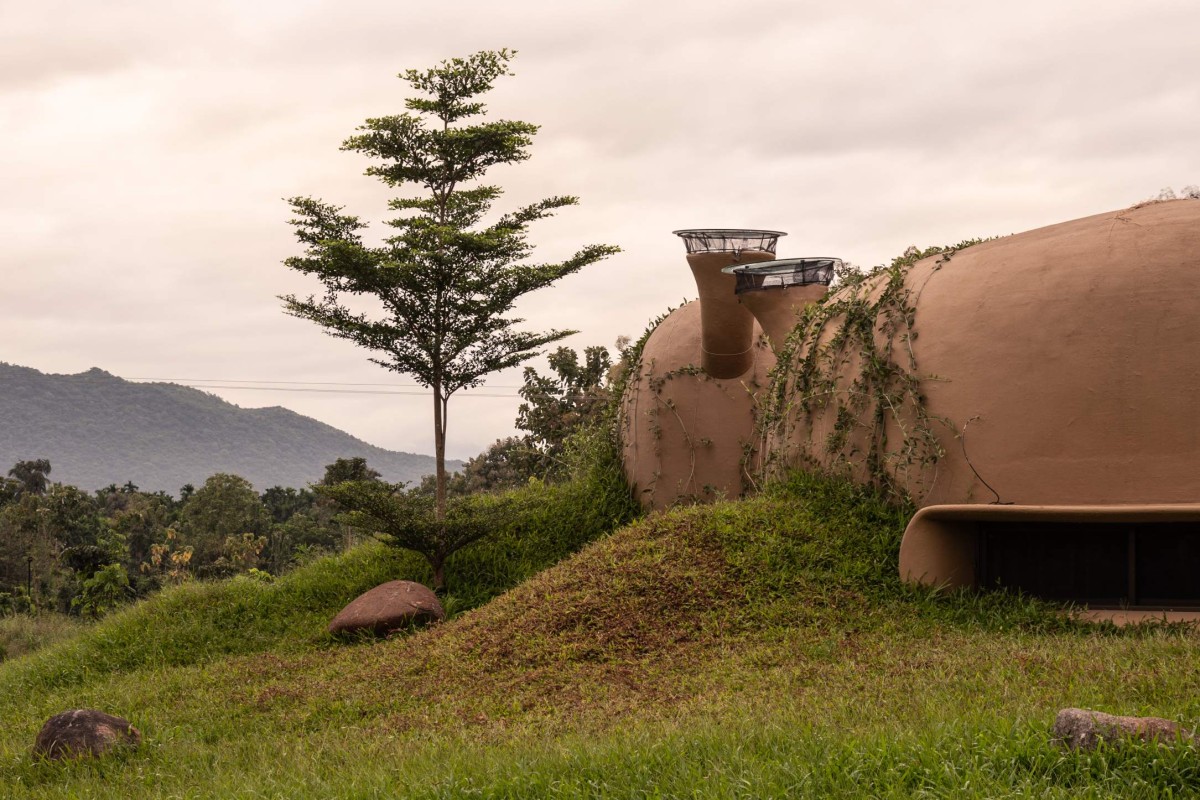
[389,607]
[84,732]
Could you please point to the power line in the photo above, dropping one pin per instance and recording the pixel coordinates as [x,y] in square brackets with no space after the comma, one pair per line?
[464,392]
[298,383]
[308,386]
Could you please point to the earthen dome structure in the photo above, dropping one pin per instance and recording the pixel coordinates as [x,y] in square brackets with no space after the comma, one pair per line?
[687,436]
[688,414]
[1036,397]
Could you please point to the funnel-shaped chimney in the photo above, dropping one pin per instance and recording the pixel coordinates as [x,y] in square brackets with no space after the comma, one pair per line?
[726,327]
[777,292]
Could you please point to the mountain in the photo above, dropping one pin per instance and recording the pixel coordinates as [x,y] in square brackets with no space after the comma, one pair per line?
[97,429]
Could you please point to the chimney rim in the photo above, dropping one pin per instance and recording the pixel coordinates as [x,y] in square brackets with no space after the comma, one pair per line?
[729,232]
[728,240]
[812,271]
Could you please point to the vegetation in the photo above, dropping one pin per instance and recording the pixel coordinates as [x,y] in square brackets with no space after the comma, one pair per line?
[65,551]
[196,621]
[445,280]
[577,394]
[28,477]
[850,360]
[506,464]
[750,649]
[23,633]
[407,519]
[588,469]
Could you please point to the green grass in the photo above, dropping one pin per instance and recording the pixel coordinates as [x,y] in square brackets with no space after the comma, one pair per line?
[197,622]
[752,649]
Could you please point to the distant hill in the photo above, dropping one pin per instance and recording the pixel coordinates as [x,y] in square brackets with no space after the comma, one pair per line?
[97,429]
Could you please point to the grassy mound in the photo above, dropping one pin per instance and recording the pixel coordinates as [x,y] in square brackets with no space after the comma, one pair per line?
[196,623]
[698,602]
[758,648]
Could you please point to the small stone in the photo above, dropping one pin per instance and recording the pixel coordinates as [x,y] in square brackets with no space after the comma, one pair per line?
[1082,729]
[389,607]
[84,732]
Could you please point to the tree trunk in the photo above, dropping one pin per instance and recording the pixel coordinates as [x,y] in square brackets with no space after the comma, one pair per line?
[439,573]
[439,449]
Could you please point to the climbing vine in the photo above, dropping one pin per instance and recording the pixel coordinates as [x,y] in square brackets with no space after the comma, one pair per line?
[629,373]
[846,392]
[642,381]
[629,370]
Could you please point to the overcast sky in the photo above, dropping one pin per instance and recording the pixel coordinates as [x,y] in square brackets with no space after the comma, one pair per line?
[147,147]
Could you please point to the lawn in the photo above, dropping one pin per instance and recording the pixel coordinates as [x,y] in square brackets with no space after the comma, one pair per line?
[760,648]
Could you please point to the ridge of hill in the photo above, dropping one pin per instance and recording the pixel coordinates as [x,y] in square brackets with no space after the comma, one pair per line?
[97,429]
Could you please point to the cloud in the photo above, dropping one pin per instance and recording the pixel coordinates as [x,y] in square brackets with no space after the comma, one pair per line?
[148,146]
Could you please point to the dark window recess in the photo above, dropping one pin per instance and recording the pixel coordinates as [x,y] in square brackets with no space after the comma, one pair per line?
[1118,564]
[1168,564]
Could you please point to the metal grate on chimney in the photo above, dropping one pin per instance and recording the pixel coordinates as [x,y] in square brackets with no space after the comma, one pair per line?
[782,273]
[728,240]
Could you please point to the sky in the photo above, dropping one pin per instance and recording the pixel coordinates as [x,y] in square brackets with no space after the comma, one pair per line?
[148,146]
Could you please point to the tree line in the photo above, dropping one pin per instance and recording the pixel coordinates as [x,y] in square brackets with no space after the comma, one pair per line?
[68,550]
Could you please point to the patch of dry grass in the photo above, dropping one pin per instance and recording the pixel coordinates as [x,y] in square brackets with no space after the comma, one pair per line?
[21,634]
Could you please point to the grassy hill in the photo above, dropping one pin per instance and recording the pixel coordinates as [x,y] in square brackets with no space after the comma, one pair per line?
[763,648]
[97,429]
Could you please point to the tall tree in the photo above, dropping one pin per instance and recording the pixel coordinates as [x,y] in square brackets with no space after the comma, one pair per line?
[560,403]
[348,469]
[32,475]
[217,515]
[445,280]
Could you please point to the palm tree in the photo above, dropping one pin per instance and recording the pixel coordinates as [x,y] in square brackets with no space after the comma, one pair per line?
[31,475]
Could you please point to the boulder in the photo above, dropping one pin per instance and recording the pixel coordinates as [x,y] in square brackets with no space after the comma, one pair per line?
[1082,729]
[389,607]
[84,732]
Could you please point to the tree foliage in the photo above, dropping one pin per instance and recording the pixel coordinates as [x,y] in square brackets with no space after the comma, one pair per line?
[446,278]
[506,464]
[558,404]
[406,518]
[107,588]
[348,469]
[32,477]
[74,552]
[220,512]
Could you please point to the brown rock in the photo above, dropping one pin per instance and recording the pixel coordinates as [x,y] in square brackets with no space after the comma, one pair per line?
[83,732]
[389,607]
[1082,729]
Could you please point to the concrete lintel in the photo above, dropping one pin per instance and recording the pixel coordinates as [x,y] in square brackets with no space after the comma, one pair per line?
[940,543]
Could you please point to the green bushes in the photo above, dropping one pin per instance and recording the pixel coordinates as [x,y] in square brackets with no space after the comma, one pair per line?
[198,621]
[553,521]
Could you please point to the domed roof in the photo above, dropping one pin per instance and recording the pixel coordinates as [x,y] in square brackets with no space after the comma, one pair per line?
[1056,366]
[687,436]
